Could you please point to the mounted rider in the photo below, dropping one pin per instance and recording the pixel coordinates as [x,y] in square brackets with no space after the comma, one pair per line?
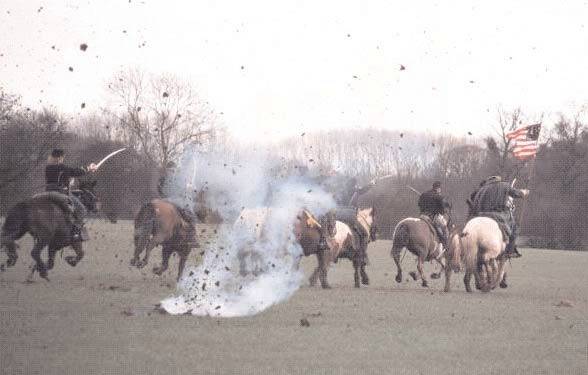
[57,183]
[494,199]
[433,205]
[163,187]
[348,214]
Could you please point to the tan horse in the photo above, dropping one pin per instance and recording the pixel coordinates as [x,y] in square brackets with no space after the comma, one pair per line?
[342,246]
[420,239]
[159,222]
[478,248]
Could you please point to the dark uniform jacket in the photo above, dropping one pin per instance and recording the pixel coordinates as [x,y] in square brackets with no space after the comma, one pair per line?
[432,203]
[57,177]
[492,197]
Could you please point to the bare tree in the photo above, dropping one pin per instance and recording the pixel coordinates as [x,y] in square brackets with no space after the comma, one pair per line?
[26,138]
[159,115]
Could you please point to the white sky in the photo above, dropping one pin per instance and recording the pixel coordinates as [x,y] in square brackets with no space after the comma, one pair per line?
[299,59]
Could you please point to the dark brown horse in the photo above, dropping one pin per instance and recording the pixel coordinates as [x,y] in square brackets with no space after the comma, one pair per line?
[420,238]
[46,220]
[160,222]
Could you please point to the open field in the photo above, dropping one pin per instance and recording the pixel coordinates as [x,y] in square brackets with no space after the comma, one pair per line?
[98,318]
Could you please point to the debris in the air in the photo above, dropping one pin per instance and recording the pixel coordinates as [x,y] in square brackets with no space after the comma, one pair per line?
[402,67]
[83,46]
[304,322]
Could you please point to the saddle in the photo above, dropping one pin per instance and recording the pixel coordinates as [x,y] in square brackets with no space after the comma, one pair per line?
[62,200]
[430,224]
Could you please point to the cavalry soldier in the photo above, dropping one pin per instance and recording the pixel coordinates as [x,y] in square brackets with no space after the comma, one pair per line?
[348,214]
[434,205]
[495,200]
[57,181]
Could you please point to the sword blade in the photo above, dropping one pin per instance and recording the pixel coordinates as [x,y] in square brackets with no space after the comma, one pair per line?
[109,156]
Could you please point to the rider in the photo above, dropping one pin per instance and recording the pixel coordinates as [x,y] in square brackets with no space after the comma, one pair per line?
[492,200]
[163,187]
[348,214]
[434,205]
[57,179]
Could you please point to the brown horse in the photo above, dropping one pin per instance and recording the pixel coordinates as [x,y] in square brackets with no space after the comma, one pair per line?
[46,220]
[344,245]
[159,222]
[309,232]
[420,238]
[479,248]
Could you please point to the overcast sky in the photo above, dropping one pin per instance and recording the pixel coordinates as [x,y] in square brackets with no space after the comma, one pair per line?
[278,68]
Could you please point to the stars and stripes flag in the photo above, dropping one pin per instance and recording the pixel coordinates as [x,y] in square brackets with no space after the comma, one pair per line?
[526,141]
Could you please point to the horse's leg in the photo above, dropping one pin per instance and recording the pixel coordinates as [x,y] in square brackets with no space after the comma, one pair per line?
[150,246]
[420,269]
[503,283]
[10,247]
[51,260]
[74,260]
[183,257]
[467,278]
[323,264]
[166,252]
[36,254]
[396,255]
[364,276]
[356,272]
[437,275]
[448,272]
[498,273]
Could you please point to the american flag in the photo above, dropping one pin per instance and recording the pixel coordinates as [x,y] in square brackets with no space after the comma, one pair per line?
[526,141]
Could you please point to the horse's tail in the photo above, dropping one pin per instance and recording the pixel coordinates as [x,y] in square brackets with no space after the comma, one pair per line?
[15,225]
[399,237]
[145,221]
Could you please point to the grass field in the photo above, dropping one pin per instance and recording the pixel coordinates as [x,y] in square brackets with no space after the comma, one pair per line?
[98,318]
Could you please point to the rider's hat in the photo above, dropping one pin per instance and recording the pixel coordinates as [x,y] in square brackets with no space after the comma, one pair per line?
[436,184]
[57,153]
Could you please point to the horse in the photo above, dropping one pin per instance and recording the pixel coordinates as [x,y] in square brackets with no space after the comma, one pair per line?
[420,238]
[479,248]
[345,245]
[160,223]
[308,230]
[46,220]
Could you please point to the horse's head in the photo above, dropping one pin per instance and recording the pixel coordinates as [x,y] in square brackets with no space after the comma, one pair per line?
[87,195]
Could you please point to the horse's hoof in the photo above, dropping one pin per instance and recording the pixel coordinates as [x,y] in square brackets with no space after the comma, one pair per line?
[2,268]
[413,275]
[436,276]
[398,278]
[446,290]
[141,264]
[425,284]
[503,284]
[326,286]
[365,281]
[133,262]
[71,260]
[157,270]
[10,262]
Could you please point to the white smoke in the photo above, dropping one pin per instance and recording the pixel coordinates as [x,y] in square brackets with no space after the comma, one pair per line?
[248,190]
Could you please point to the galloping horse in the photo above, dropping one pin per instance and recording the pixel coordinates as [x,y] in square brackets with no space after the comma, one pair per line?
[479,248]
[159,222]
[420,238]
[46,220]
[345,245]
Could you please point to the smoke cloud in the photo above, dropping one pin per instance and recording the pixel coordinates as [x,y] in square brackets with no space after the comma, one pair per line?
[253,262]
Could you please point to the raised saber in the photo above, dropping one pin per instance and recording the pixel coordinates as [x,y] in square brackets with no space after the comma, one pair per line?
[413,189]
[109,156]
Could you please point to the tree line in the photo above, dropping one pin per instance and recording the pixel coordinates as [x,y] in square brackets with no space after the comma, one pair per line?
[156,116]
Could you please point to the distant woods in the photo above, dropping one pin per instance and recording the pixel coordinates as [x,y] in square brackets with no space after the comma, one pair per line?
[157,116]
